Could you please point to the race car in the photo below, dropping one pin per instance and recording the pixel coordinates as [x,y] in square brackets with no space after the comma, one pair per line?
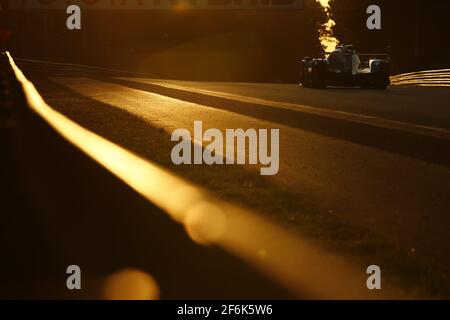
[344,67]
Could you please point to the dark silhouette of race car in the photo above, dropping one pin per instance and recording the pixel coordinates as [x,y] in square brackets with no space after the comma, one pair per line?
[344,67]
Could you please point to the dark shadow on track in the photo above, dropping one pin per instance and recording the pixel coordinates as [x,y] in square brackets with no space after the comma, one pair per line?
[430,149]
[63,208]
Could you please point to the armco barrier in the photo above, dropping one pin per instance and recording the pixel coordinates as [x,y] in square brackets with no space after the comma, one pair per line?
[430,78]
[64,208]
[76,198]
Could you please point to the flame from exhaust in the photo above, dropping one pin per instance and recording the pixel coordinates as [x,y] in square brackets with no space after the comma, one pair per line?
[326,37]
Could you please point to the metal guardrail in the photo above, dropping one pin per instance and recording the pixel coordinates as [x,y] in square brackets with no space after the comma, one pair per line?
[69,197]
[295,264]
[429,78]
[76,69]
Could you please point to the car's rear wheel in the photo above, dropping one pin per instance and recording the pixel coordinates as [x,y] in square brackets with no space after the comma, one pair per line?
[304,76]
[305,83]
[317,77]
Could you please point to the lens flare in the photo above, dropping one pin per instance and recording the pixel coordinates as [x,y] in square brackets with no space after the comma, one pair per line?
[130,284]
[327,39]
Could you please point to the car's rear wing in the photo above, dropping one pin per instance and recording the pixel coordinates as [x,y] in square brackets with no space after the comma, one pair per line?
[384,56]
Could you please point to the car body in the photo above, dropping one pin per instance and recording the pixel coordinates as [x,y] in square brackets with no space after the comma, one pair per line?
[344,67]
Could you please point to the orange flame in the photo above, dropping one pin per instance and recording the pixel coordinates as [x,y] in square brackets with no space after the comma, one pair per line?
[327,39]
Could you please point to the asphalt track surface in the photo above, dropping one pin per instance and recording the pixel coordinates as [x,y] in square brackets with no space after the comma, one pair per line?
[396,181]
[379,159]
